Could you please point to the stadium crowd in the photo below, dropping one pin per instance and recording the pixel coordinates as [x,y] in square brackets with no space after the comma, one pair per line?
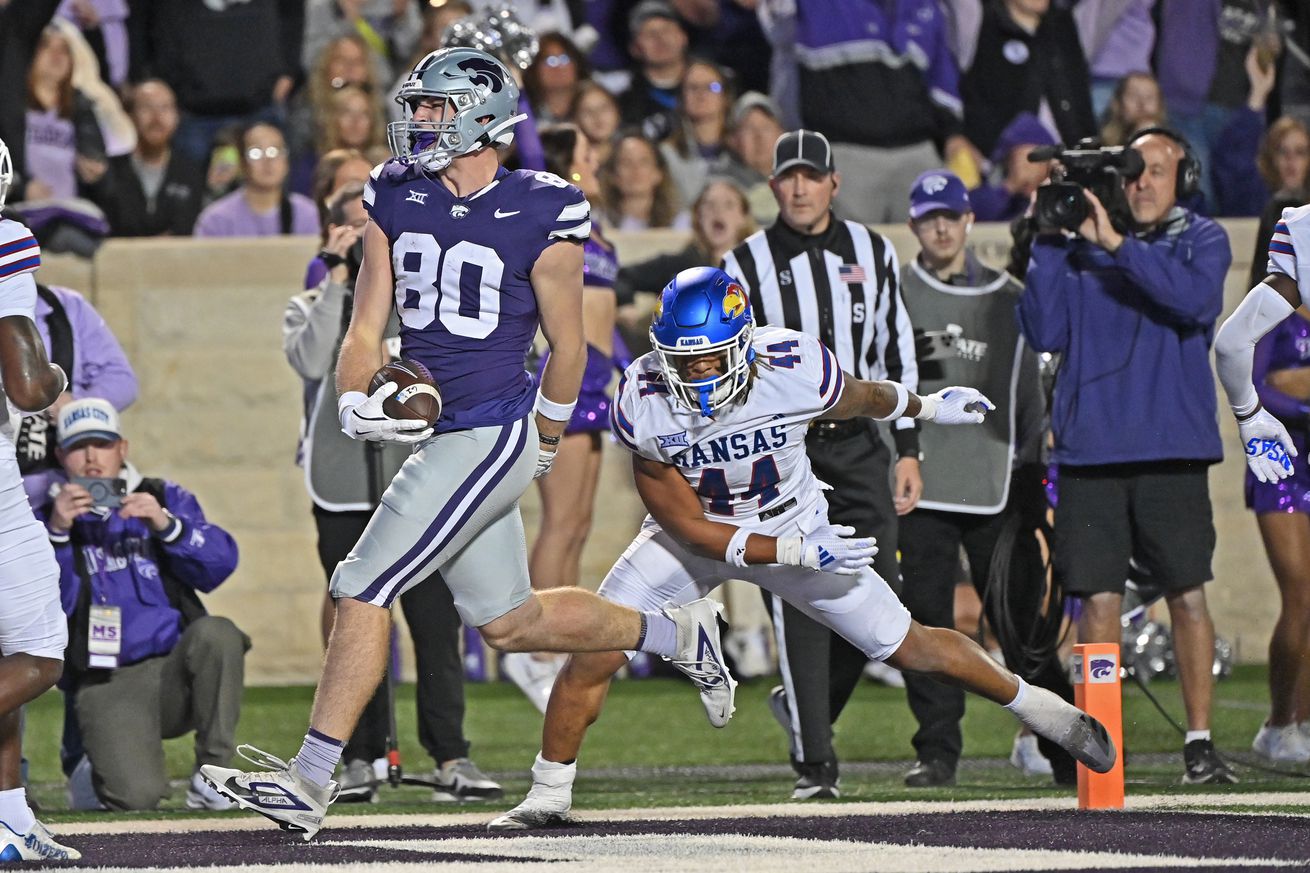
[134,118]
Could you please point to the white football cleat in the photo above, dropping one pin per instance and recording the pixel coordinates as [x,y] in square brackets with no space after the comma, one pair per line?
[281,794]
[1282,745]
[1027,757]
[201,795]
[548,801]
[38,844]
[700,656]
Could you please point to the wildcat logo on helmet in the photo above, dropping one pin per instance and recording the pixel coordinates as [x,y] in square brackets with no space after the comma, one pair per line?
[481,72]
[734,301]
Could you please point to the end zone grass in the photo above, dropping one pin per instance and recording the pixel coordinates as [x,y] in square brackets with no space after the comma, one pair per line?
[653,747]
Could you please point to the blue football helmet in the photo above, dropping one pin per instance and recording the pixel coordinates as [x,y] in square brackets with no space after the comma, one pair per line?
[483,105]
[703,311]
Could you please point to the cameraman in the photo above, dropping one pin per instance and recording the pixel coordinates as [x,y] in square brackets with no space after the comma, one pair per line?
[344,492]
[1132,312]
[145,662]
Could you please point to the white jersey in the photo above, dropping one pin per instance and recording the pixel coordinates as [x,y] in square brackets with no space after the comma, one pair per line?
[748,463]
[19,257]
[1289,248]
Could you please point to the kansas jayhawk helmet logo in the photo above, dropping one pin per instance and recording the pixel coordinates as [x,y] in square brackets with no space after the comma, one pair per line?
[734,301]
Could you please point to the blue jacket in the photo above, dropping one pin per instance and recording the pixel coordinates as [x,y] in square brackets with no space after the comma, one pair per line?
[1135,330]
[123,559]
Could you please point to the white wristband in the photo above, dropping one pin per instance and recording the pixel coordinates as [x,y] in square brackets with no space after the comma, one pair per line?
[346,402]
[789,550]
[554,411]
[902,401]
[736,553]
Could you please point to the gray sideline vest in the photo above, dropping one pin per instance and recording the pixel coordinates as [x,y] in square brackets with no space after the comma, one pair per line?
[336,467]
[967,468]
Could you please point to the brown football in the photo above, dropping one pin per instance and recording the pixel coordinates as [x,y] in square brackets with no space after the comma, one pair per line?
[416,395]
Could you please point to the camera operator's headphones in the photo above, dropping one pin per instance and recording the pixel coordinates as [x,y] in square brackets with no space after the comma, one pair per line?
[1188,183]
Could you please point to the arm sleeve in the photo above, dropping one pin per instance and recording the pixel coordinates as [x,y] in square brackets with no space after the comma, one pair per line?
[1044,306]
[102,368]
[311,326]
[1289,409]
[204,554]
[1185,281]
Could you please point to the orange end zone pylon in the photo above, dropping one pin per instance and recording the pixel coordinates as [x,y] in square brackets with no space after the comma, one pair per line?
[1097,692]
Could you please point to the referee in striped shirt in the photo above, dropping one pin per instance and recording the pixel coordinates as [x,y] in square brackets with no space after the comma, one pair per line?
[838,281]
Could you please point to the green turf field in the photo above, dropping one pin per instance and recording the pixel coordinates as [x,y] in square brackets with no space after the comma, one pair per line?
[658,723]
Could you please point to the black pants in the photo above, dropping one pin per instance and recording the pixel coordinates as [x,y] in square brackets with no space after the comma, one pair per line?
[930,545]
[819,668]
[434,627]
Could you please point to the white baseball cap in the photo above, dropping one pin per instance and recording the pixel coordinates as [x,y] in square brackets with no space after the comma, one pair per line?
[87,419]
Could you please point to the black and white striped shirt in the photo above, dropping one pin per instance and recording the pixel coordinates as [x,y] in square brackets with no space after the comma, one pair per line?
[842,286]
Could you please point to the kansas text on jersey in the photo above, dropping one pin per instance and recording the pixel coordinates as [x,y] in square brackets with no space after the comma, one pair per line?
[748,463]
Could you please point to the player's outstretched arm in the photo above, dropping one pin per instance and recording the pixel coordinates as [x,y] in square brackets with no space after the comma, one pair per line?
[557,282]
[673,504]
[888,400]
[31,382]
[1268,445]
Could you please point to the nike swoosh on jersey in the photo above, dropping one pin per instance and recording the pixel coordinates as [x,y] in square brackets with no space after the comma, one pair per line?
[500,214]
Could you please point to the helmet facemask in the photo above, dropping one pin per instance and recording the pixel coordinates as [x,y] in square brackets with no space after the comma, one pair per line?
[711,394]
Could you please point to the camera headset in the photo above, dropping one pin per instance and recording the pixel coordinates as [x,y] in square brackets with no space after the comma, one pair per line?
[1188,182]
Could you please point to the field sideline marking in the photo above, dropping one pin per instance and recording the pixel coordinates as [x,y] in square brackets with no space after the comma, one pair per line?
[338,824]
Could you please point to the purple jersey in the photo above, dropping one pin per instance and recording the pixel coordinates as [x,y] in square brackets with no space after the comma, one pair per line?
[599,265]
[463,291]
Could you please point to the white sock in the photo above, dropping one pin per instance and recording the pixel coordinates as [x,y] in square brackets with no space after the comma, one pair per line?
[14,810]
[1042,710]
[1196,735]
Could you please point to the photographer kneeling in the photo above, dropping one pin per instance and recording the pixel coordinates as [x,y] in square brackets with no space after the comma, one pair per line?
[145,662]
[1129,298]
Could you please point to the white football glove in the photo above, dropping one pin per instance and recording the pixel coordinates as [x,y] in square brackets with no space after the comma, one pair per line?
[831,549]
[544,460]
[955,405]
[365,420]
[1269,447]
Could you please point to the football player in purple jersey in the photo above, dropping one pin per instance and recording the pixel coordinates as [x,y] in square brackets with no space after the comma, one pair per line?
[473,258]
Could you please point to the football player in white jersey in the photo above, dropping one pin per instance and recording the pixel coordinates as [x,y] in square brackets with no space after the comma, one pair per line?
[33,630]
[715,418]
[1269,447]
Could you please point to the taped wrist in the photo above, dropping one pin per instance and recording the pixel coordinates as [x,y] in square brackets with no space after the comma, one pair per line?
[790,550]
[548,408]
[928,404]
[346,402]
[902,401]
[736,553]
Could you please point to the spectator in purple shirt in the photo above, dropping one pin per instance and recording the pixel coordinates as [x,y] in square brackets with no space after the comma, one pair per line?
[260,206]
[77,339]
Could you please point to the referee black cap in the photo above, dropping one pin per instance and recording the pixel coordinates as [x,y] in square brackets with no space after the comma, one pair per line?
[802,148]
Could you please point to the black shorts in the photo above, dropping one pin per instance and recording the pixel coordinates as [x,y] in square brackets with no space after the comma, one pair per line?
[1158,513]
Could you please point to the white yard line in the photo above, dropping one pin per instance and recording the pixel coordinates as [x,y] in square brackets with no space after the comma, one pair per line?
[343,823]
